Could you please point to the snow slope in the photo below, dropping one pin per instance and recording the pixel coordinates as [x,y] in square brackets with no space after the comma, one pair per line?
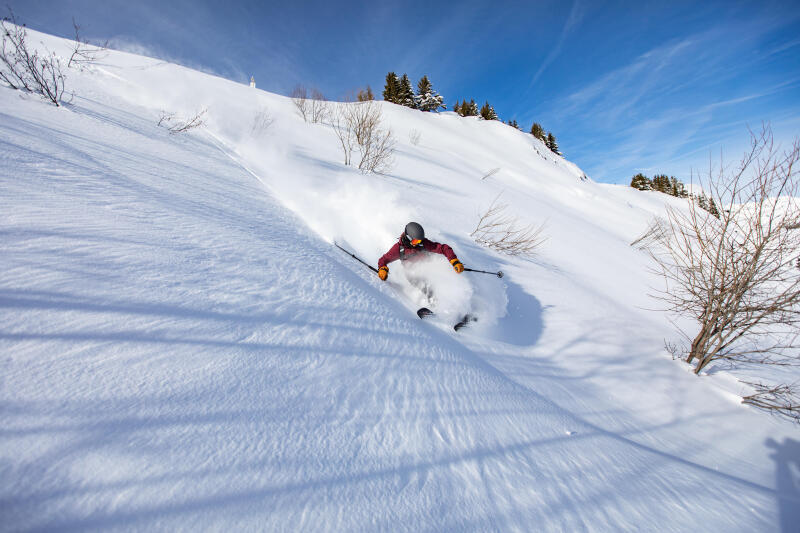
[182,348]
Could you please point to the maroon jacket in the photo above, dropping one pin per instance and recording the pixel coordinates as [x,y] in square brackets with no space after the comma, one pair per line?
[403,250]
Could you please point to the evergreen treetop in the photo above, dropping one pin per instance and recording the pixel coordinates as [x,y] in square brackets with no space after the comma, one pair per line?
[391,91]
[406,93]
[661,183]
[537,131]
[640,181]
[552,144]
[487,112]
[427,99]
[469,109]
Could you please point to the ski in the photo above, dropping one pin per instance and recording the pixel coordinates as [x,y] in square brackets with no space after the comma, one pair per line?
[424,312]
[464,322]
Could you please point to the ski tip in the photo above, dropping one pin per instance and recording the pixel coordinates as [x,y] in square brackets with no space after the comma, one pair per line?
[422,312]
[464,322]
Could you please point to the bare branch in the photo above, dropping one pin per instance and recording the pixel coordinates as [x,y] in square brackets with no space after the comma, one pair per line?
[175,124]
[317,107]
[501,232]
[653,235]
[23,68]
[778,399]
[299,96]
[358,128]
[734,271]
[84,53]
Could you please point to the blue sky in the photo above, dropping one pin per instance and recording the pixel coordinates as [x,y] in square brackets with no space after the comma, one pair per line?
[626,87]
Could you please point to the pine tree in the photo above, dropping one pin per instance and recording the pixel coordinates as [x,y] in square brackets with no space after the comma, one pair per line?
[641,182]
[391,91]
[513,123]
[457,108]
[661,183]
[701,200]
[712,208]
[487,112]
[676,187]
[470,109]
[406,93]
[427,99]
[552,144]
[537,131]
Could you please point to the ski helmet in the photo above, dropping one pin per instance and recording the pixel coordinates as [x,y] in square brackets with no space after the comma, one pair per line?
[414,232]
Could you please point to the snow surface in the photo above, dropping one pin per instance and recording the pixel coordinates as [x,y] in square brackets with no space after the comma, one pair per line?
[182,347]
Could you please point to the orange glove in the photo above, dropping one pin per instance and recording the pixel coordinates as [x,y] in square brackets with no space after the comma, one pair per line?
[457,266]
[383,273]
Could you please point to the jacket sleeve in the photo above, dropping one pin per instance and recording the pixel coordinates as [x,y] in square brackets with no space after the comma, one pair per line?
[392,255]
[439,248]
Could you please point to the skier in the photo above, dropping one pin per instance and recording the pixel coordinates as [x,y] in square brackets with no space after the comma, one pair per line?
[411,247]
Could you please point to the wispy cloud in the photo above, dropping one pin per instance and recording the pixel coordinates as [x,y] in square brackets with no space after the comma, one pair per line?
[574,18]
[668,108]
[622,89]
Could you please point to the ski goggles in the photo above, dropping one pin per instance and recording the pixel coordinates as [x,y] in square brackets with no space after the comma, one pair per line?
[416,242]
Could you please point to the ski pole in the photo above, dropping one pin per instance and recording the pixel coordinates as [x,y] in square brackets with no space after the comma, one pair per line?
[355,257]
[499,273]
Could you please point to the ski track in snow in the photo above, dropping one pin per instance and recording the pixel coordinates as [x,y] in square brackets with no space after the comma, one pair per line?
[180,350]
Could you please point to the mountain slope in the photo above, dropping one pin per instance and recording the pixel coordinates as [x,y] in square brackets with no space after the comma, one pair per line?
[183,348]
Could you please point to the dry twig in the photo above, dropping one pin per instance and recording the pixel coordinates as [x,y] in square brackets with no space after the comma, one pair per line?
[779,399]
[84,53]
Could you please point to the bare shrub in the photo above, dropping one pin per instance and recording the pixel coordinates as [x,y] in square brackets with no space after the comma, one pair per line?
[365,95]
[312,105]
[24,69]
[344,131]
[317,107]
[736,274]
[165,118]
[299,96]
[84,53]
[502,232]
[262,120]
[358,128]
[377,152]
[176,124]
[777,399]
[414,136]
[653,235]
